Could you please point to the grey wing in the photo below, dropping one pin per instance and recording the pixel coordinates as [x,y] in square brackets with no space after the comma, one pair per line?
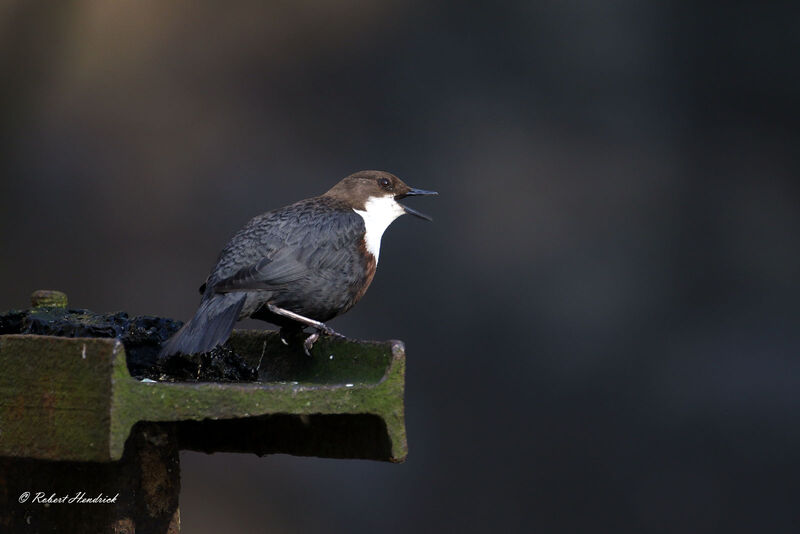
[258,241]
[281,268]
[315,247]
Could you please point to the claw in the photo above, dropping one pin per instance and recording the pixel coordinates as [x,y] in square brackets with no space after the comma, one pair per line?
[309,343]
[328,331]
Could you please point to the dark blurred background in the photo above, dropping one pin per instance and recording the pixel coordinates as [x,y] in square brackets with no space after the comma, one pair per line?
[602,323]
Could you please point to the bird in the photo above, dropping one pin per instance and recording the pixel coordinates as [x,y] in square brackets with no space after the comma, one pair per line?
[300,265]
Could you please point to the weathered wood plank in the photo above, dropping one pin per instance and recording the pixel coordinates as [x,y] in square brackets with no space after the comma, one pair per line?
[55,397]
[74,399]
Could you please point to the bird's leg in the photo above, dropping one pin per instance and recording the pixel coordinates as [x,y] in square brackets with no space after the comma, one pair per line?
[319,326]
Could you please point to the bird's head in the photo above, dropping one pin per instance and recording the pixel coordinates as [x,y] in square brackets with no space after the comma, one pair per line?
[377,193]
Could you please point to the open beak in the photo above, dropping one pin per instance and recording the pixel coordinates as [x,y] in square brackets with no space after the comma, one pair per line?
[415,193]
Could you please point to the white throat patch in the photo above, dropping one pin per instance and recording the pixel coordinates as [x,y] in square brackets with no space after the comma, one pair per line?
[378,214]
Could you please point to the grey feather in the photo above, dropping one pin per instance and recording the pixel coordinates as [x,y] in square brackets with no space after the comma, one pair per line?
[210,326]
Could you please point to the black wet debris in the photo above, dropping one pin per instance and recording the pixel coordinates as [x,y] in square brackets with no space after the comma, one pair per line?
[142,337]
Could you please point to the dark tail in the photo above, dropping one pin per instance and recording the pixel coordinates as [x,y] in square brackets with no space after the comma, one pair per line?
[210,326]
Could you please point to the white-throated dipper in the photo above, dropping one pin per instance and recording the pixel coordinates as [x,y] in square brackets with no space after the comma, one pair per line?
[299,265]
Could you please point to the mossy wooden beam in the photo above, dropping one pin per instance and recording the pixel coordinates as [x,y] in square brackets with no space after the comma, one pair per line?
[74,399]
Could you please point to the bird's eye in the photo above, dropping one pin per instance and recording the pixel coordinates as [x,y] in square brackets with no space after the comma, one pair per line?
[385,183]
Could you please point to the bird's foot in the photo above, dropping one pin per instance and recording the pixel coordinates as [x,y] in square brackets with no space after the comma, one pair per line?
[308,344]
[328,331]
[317,325]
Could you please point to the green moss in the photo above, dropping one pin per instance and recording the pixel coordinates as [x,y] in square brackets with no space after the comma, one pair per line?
[55,397]
[329,394]
[333,360]
[48,298]
[74,399]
